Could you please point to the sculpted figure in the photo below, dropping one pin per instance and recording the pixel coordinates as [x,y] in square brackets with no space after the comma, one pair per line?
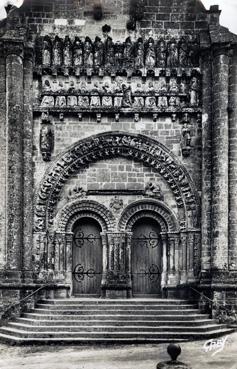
[46,142]
[67,52]
[127,96]
[186,135]
[150,100]
[98,52]
[183,53]
[118,55]
[162,102]
[154,190]
[183,86]
[88,53]
[83,99]
[118,90]
[173,86]
[128,54]
[109,54]
[107,98]
[57,51]
[95,98]
[47,102]
[139,54]
[47,52]
[172,58]
[150,57]
[161,54]
[138,101]
[194,92]
[61,101]
[162,86]
[72,101]
[77,53]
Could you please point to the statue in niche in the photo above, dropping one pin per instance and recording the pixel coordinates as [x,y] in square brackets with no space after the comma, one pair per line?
[127,96]
[139,54]
[47,102]
[57,51]
[47,86]
[150,55]
[183,86]
[46,142]
[151,99]
[138,99]
[183,53]
[154,190]
[77,53]
[194,91]
[162,85]
[83,99]
[72,101]
[95,96]
[118,90]
[128,53]
[161,54]
[107,100]
[172,58]
[194,49]
[173,86]
[172,101]
[118,55]
[61,101]
[109,54]
[88,53]
[162,102]
[47,52]
[98,53]
[67,52]
[186,140]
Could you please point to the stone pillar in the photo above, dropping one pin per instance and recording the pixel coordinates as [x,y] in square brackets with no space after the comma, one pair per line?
[206,160]
[68,242]
[173,256]
[164,260]
[233,162]
[183,259]
[28,165]
[117,277]
[190,255]
[220,148]
[3,148]
[14,93]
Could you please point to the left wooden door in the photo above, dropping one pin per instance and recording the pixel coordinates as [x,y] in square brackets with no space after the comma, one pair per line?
[87,258]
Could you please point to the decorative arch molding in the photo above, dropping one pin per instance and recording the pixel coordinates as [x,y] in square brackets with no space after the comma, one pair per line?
[81,209]
[111,145]
[149,208]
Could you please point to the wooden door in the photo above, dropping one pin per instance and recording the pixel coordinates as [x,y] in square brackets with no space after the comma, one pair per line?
[87,258]
[146,258]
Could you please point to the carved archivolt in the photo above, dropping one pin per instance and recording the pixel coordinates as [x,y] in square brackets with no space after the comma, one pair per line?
[110,145]
[148,208]
[84,208]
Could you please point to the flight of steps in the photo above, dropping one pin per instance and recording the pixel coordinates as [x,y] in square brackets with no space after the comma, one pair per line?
[104,320]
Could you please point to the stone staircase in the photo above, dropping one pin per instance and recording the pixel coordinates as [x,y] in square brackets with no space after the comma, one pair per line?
[104,320]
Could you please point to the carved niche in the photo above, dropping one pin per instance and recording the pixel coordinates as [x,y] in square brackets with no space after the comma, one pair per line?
[46,138]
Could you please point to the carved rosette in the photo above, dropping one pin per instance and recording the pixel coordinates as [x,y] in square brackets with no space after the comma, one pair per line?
[109,145]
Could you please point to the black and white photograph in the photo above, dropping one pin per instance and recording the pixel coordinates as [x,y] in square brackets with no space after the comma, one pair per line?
[118,184]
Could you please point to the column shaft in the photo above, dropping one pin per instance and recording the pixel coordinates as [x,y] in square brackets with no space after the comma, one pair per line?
[220,160]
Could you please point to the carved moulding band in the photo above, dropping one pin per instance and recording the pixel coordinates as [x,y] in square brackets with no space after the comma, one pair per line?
[76,210]
[110,145]
[149,208]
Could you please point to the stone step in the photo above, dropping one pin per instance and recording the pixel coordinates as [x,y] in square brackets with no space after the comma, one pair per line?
[116,306]
[114,328]
[116,316]
[100,301]
[118,311]
[99,322]
[104,334]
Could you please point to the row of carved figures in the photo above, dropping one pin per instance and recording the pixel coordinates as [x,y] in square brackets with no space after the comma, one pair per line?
[122,56]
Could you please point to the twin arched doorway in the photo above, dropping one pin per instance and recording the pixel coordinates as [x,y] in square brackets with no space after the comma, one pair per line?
[144,259]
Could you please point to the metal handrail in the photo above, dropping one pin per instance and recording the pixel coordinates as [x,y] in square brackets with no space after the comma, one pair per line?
[210,300]
[13,306]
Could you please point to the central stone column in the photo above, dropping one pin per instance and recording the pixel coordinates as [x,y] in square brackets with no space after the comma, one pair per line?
[220,148]
[116,281]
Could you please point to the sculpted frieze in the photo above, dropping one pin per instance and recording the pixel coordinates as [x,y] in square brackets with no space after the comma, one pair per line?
[113,57]
[112,145]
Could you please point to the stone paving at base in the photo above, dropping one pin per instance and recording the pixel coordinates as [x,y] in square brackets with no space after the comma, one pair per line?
[116,357]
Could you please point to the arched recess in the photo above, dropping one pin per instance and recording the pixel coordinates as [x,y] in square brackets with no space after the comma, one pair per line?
[154,209]
[111,145]
[75,210]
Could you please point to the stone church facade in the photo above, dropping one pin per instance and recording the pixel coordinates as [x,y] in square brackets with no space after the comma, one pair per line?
[118,150]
